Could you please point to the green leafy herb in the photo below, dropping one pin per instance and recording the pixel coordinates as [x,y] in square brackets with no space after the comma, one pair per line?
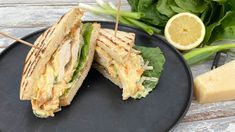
[153,16]
[163,6]
[220,26]
[157,60]
[226,28]
[208,15]
[177,9]
[195,6]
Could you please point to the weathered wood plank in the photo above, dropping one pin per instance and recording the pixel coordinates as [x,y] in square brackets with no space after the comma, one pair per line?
[44,4]
[37,14]
[51,1]
[198,112]
[13,3]
[216,125]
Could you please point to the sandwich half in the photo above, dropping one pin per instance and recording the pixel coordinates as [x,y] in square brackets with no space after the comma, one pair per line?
[135,69]
[52,75]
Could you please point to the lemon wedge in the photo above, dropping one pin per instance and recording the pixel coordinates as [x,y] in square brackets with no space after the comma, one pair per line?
[185,31]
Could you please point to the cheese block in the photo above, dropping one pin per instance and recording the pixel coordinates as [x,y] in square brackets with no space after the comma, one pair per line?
[216,85]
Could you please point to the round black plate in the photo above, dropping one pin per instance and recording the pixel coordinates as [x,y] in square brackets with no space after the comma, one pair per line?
[98,106]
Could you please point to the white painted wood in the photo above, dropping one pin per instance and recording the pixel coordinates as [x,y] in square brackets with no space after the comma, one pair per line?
[50,1]
[215,125]
[22,17]
[39,16]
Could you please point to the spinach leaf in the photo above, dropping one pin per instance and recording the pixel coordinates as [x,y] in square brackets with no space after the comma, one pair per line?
[177,9]
[209,14]
[163,6]
[148,7]
[144,4]
[229,5]
[226,29]
[157,60]
[133,4]
[195,6]
[153,17]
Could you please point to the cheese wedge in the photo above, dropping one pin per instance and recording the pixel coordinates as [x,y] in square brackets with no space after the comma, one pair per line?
[216,85]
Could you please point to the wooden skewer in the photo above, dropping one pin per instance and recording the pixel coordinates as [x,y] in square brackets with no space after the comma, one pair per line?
[117,17]
[19,40]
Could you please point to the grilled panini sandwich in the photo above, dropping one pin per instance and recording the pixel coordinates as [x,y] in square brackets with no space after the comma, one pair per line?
[130,67]
[52,75]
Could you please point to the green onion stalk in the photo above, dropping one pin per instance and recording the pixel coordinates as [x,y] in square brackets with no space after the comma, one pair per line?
[128,18]
[200,54]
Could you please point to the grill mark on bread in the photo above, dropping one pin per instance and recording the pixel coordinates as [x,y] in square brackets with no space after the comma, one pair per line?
[34,57]
[36,53]
[125,35]
[102,42]
[37,58]
[120,33]
[37,44]
[46,35]
[31,53]
[115,43]
[30,72]
[60,19]
[111,39]
[26,83]
[27,67]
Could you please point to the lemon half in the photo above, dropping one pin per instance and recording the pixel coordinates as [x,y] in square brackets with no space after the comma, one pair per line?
[185,31]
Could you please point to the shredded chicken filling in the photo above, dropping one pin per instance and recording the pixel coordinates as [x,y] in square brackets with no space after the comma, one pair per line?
[55,80]
[129,74]
[124,65]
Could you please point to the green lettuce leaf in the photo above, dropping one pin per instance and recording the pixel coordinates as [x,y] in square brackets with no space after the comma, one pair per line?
[157,60]
[82,58]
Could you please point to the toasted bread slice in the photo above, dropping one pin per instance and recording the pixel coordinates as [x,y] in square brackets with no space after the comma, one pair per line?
[48,42]
[119,46]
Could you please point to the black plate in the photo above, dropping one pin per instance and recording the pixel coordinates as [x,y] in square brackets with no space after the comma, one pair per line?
[98,106]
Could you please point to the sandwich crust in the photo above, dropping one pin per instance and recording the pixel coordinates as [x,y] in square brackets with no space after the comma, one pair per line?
[48,42]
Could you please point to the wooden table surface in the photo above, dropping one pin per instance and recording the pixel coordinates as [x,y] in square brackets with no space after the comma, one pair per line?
[22,17]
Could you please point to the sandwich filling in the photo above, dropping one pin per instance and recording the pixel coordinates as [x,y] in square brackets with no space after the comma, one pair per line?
[132,70]
[61,72]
